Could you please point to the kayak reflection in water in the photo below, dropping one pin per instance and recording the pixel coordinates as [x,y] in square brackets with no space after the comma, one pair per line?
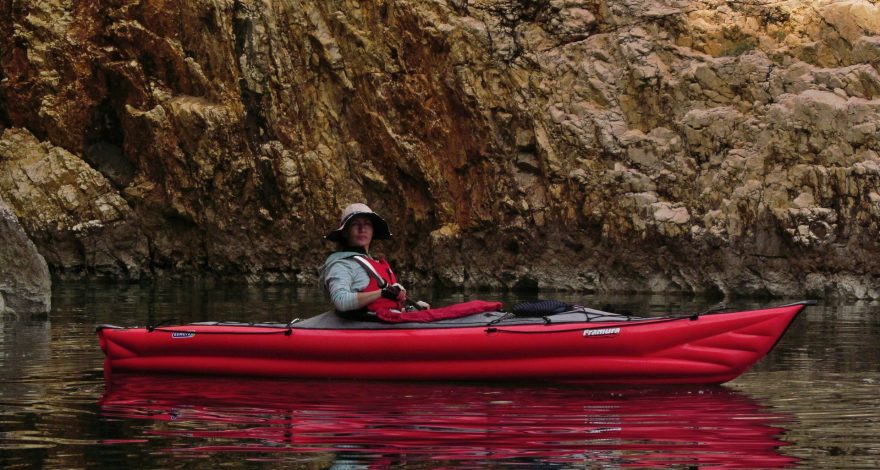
[356,282]
[379,424]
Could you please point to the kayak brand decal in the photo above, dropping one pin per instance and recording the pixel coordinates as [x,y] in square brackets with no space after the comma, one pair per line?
[183,334]
[602,332]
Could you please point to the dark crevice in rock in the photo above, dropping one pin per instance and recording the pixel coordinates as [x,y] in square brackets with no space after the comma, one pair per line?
[104,137]
[4,115]
[110,161]
[254,102]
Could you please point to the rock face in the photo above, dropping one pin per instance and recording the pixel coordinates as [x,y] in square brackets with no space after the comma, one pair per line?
[628,145]
[25,286]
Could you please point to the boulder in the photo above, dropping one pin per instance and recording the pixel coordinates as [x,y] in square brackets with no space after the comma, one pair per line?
[25,283]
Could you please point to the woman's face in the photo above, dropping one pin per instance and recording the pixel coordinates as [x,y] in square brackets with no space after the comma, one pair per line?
[359,232]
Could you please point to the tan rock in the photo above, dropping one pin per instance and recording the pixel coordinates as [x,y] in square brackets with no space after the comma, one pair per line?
[66,205]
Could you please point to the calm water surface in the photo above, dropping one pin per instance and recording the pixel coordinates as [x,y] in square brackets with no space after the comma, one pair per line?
[813,402]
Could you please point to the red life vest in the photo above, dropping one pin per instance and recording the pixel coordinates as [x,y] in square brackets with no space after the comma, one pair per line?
[392,311]
[383,270]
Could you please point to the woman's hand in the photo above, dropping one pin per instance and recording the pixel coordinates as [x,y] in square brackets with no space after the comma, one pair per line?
[394,292]
[402,296]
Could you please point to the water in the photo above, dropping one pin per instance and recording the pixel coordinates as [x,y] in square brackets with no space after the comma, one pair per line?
[813,402]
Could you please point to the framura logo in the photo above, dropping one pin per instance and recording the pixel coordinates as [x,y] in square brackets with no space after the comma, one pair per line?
[602,332]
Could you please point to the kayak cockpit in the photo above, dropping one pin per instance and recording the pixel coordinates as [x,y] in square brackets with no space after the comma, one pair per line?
[332,321]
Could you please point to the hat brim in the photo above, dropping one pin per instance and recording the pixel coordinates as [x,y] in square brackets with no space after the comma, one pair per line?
[380,227]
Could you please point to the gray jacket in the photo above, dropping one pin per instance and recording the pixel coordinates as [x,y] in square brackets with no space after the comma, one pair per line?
[342,279]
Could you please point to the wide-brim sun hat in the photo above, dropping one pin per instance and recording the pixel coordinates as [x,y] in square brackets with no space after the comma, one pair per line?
[380,227]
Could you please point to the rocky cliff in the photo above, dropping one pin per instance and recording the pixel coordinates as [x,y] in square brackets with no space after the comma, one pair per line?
[654,145]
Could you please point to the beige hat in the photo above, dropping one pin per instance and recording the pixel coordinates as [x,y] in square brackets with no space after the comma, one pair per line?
[380,227]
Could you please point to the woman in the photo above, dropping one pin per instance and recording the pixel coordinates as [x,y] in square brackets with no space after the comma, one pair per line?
[362,287]
[355,281]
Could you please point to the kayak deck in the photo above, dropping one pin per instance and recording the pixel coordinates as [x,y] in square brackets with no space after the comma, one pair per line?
[332,321]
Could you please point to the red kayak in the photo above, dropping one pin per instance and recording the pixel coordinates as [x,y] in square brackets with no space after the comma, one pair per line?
[582,345]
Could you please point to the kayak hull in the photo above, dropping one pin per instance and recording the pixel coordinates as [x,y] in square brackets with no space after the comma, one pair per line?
[697,350]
